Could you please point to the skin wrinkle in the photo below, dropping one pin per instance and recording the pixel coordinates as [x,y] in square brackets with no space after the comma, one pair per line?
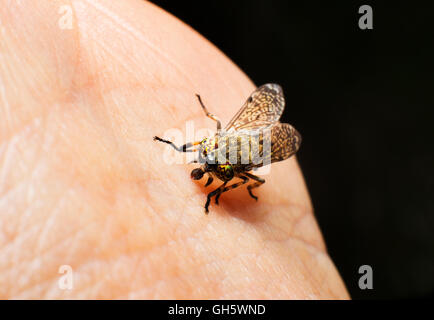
[42,255]
[112,131]
[157,281]
[17,38]
[287,276]
[38,157]
[22,227]
[233,259]
[118,160]
[48,223]
[66,238]
[312,277]
[19,274]
[168,278]
[299,262]
[235,290]
[6,106]
[12,148]
[60,242]
[291,235]
[165,279]
[33,170]
[135,271]
[71,247]
[149,251]
[270,285]
[320,281]
[122,62]
[18,130]
[6,165]
[78,59]
[126,57]
[185,74]
[318,284]
[133,275]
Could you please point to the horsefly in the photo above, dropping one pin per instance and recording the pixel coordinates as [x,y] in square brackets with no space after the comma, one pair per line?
[252,139]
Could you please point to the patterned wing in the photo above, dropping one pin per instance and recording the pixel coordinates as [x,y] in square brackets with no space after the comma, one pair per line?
[285,141]
[264,107]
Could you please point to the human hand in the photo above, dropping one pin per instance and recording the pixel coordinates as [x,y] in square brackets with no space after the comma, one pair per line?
[83,184]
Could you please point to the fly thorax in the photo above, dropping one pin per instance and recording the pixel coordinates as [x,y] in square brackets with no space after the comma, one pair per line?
[208,150]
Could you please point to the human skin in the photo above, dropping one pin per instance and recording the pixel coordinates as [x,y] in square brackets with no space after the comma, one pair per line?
[83,184]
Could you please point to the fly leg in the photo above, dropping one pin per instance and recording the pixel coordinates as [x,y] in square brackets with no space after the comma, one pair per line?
[259,181]
[210,115]
[184,148]
[211,194]
[232,186]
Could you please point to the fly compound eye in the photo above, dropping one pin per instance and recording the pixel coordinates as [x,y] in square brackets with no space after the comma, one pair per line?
[229,172]
[197,174]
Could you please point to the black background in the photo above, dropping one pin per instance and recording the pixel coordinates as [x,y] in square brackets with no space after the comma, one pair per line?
[363,101]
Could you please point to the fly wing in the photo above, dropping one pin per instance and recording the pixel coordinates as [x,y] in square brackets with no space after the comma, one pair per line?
[285,141]
[263,108]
